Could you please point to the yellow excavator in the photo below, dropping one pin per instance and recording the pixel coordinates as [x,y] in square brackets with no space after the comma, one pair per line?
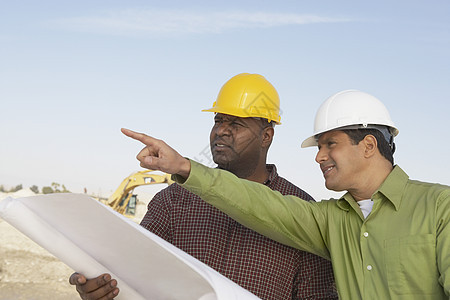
[124,201]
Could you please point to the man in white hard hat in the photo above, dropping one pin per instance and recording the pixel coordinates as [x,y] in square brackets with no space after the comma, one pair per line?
[388,237]
[246,111]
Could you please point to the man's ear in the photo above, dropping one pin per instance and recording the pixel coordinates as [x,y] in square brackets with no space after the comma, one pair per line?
[267,137]
[370,145]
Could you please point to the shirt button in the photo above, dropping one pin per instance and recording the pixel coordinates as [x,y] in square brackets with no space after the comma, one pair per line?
[369,267]
[366,234]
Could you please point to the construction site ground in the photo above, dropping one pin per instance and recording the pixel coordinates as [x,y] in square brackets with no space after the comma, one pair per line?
[29,272]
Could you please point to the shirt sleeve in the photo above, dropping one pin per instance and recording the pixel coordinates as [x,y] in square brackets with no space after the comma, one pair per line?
[443,240]
[286,219]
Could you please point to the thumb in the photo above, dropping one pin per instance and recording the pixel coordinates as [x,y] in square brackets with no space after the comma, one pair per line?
[77,278]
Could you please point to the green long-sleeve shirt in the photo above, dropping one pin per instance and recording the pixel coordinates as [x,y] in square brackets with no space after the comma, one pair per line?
[400,251]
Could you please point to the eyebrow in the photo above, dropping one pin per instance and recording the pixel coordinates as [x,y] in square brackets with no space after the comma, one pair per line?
[228,118]
[326,140]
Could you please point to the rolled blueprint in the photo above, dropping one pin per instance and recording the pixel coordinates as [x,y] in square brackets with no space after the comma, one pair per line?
[92,239]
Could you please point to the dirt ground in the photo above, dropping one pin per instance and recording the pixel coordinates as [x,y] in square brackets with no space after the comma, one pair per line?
[29,272]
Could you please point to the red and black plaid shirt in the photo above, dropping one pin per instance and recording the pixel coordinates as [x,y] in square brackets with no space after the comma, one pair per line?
[266,268]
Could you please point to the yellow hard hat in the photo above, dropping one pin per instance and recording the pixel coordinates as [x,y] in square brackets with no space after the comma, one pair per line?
[248,96]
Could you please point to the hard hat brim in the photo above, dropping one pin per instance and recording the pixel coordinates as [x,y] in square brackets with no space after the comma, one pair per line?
[309,142]
[218,110]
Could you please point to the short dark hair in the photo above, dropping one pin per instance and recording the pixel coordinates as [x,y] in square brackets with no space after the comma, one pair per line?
[357,135]
[266,122]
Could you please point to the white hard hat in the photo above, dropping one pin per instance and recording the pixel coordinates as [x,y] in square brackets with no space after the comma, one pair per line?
[350,108]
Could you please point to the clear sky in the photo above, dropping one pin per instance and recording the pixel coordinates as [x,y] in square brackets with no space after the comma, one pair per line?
[72,73]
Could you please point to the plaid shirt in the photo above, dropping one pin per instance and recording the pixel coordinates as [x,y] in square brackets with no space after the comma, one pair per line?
[264,267]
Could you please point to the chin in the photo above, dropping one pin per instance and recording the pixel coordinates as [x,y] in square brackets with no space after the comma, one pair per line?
[333,187]
[222,165]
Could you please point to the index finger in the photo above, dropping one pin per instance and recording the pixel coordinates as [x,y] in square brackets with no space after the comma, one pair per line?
[143,138]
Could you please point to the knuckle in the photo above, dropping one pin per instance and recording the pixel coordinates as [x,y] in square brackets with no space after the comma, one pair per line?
[101,280]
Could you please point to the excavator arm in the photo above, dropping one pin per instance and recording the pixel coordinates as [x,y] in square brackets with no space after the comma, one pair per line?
[120,199]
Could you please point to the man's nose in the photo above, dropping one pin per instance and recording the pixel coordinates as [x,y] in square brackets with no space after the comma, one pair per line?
[222,129]
[321,156]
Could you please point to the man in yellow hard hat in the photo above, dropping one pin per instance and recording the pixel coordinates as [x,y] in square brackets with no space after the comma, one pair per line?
[246,110]
[388,237]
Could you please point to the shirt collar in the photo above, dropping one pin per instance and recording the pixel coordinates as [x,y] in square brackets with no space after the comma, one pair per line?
[393,186]
[391,189]
[346,202]
[272,169]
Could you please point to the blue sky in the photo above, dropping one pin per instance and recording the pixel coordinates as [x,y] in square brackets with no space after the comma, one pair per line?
[72,73]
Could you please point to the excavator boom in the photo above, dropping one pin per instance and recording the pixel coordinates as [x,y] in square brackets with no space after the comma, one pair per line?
[120,199]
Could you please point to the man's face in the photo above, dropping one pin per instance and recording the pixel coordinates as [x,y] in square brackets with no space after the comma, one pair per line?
[341,162]
[236,142]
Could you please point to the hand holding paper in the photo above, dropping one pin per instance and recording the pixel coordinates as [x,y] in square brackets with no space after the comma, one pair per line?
[101,287]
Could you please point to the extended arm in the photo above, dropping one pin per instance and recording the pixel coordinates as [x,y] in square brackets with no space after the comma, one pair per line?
[286,219]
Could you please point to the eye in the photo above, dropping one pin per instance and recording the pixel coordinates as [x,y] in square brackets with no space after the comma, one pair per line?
[331,144]
[237,124]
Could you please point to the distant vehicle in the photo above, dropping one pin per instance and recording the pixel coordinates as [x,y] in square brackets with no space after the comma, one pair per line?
[124,201]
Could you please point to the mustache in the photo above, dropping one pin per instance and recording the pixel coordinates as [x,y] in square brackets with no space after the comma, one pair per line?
[221,141]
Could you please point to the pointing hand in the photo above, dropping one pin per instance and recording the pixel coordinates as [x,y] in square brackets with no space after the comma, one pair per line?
[157,155]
